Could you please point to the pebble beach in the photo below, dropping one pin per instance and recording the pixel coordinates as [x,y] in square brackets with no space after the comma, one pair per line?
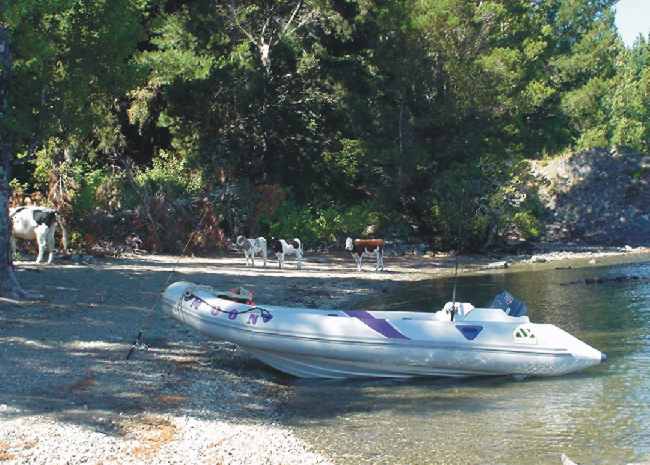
[69,395]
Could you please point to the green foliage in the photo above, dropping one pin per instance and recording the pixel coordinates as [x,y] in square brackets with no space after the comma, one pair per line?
[528,224]
[629,109]
[477,206]
[326,225]
[85,199]
[293,221]
[421,108]
[170,175]
[348,160]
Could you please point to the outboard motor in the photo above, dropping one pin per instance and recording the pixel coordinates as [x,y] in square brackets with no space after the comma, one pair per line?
[510,305]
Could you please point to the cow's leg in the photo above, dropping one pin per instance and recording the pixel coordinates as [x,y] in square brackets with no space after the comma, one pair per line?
[357,259]
[380,261]
[40,232]
[280,257]
[299,258]
[64,236]
[246,256]
[12,247]
[253,258]
[264,256]
[49,237]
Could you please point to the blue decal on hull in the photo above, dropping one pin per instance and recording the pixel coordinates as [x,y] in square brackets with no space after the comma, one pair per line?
[469,331]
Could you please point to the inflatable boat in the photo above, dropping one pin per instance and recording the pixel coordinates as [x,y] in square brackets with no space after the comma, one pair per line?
[459,340]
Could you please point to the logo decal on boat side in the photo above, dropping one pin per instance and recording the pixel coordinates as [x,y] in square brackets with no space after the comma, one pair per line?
[524,335]
[379,325]
[469,331]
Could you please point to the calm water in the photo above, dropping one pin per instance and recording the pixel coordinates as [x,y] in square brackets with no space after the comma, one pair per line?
[600,416]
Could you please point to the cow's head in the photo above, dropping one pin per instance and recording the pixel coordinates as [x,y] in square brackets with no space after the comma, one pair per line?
[349,244]
[240,241]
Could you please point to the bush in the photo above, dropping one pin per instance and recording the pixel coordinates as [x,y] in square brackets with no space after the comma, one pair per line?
[85,199]
[291,220]
[326,225]
[528,224]
[477,206]
[168,175]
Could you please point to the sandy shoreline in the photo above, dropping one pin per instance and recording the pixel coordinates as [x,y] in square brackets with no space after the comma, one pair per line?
[69,396]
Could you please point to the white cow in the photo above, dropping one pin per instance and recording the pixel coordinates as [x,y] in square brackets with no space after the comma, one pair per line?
[251,247]
[282,248]
[39,224]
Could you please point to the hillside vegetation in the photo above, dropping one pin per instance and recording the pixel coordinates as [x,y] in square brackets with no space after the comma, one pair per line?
[146,120]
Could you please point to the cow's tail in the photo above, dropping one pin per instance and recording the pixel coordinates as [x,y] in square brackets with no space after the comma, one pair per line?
[64,232]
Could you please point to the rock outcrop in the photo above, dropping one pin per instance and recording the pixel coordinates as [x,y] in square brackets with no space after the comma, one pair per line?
[597,197]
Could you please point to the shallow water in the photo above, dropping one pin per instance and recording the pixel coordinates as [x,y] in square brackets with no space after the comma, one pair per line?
[599,416]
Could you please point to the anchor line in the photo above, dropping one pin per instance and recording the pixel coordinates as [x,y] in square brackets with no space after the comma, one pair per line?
[139,343]
[459,244]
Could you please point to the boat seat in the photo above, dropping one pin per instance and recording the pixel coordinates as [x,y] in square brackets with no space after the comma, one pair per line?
[239,295]
[462,309]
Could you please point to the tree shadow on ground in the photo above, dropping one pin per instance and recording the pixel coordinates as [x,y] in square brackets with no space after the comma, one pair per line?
[66,356]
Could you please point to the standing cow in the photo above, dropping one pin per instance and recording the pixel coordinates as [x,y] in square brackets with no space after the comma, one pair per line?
[252,247]
[282,248]
[39,224]
[366,247]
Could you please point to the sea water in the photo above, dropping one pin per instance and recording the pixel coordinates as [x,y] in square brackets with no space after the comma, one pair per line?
[598,416]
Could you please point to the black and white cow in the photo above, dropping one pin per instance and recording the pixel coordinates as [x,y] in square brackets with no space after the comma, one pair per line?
[39,224]
[282,248]
[252,247]
[366,247]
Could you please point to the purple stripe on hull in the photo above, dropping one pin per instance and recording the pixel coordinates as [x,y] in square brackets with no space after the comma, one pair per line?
[377,324]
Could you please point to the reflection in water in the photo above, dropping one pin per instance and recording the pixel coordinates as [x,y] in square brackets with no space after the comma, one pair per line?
[600,416]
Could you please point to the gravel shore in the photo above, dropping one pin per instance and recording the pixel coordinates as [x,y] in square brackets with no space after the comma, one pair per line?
[68,395]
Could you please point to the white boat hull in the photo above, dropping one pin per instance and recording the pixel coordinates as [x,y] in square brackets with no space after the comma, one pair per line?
[317,343]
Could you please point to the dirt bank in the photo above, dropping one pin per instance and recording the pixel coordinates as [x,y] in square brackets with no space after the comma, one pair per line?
[69,396]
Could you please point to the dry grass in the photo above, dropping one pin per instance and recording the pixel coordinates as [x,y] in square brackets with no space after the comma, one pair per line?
[151,433]
[84,383]
[5,455]
[171,399]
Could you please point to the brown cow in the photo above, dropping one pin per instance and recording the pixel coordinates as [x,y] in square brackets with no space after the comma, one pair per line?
[368,247]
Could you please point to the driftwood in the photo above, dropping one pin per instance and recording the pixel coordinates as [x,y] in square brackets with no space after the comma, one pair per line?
[609,279]
[496,265]
[567,461]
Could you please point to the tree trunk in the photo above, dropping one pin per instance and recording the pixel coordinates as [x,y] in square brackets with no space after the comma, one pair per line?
[9,286]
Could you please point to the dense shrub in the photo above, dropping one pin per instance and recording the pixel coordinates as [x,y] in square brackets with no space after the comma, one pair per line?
[325,225]
[476,207]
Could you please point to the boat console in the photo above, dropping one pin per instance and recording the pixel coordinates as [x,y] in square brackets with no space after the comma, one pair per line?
[464,311]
